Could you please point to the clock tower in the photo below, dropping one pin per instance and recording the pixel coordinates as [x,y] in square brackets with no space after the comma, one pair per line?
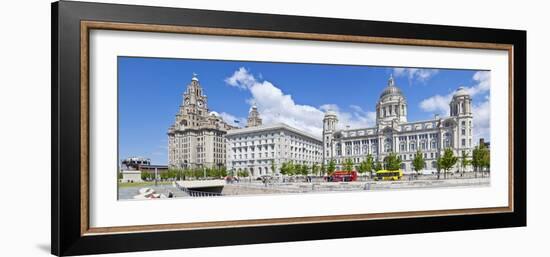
[194,105]
[197,137]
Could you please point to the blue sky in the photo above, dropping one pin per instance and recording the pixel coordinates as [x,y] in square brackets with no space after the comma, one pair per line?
[150,91]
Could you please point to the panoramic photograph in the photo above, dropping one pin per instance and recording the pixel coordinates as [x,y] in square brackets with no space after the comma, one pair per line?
[215,128]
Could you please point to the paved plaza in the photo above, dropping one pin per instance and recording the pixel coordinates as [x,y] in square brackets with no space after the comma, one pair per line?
[257,187]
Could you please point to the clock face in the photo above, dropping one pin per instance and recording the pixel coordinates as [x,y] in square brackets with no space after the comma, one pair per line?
[200,103]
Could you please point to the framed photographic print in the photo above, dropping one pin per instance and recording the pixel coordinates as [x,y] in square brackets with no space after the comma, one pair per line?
[178,128]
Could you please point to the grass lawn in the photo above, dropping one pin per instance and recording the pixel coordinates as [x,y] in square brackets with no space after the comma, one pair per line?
[144,184]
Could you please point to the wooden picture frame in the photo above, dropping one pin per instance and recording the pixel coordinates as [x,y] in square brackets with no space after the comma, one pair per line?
[71,25]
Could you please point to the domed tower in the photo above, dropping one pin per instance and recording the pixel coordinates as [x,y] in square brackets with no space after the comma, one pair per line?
[194,107]
[253,117]
[392,105]
[194,100]
[461,110]
[330,122]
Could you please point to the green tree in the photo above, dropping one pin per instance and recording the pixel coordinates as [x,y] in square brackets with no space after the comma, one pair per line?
[211,172]
[418,162]
[331,167]
[487,160]
[378,166]
[222,171]
[297,169]
[304,170]
[177,173]
[392,162]
[273,167]
[448,160]
[243,173]
[198,172]
[348,165]
[362,168]
[315,169]
[171,173]
[188,173]
[287,168]
[476,162]
[464,161]
[144,176]
[480,158]
[369,165]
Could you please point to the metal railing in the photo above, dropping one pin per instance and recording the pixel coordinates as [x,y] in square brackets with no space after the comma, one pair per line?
[196,193]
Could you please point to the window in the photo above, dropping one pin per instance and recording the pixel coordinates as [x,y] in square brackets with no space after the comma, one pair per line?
[463,142]
[463,131]
[388,145]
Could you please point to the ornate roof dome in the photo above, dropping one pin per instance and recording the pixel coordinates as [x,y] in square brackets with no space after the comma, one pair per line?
[391,89]
[461,91]
[330,112]
[213,113]
[195,77]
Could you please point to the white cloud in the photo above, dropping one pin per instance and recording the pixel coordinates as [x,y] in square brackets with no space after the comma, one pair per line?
[276,106]
[436,104]
[417,74]
[241,78]
[482,120]
[358,118]
[440,103]
[483,79]
[230,119]
[482,111]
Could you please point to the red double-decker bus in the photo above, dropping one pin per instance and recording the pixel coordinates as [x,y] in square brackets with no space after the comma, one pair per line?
[342,176]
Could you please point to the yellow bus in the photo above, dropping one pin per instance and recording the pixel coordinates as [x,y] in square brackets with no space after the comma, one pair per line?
[388,175]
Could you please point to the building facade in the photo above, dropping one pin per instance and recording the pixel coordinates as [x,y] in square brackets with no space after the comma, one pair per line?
[394,134]
[259,149]
[197,137]
[253,117]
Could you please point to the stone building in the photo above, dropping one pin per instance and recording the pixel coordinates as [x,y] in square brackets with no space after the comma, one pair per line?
[393,133]
[253,117]
[257,148]
[196,139]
